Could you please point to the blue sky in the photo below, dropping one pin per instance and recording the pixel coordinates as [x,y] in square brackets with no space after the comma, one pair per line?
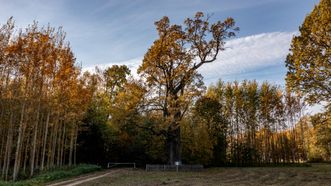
[106,32]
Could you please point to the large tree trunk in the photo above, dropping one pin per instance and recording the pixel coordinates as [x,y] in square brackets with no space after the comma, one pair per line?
[173,146]
[173,138]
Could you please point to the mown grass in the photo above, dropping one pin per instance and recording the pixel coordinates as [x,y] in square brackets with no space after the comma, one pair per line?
[56,174]
[316,174]
[268,165]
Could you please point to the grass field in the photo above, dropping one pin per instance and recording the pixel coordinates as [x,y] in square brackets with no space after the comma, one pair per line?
[317,174]
[54,175]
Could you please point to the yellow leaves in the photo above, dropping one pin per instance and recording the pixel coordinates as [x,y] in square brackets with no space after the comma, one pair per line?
[171,60]
[127,100]
[309,62]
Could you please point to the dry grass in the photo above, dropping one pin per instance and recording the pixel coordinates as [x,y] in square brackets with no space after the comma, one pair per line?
[318,174]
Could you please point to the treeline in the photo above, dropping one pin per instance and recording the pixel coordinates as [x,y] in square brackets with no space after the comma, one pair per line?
[232,124]
[42,100]
[248,124]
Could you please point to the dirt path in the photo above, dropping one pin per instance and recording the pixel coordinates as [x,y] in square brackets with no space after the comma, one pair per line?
[83,179]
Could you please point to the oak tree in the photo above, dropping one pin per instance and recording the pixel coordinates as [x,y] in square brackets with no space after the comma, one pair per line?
[170,69]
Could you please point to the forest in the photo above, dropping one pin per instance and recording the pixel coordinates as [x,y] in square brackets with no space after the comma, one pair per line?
[54,114]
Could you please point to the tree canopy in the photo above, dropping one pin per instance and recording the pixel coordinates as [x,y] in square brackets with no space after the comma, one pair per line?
[309,63]
[170,69]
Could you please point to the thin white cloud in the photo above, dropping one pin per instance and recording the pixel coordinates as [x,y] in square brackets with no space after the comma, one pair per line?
[242,56]
[133,64]
[249,53]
